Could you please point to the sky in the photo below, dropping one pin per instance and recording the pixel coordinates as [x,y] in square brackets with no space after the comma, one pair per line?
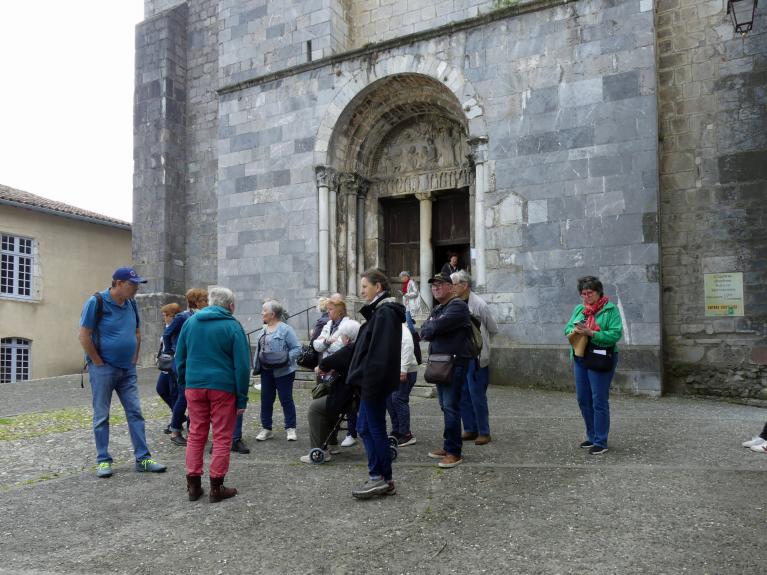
[66,101]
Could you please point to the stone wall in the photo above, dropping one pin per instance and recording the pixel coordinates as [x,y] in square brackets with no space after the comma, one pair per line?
[713,113]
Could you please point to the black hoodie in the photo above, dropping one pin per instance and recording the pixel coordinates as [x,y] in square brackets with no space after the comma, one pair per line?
[374,368]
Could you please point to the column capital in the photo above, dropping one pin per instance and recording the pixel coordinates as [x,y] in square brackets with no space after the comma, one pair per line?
[479,149]
[325,175]
[351,183]
[424,196]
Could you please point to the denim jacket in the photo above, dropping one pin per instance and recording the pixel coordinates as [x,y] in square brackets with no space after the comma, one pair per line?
[282,339]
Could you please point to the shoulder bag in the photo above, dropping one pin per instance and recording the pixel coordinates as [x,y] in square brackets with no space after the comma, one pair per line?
[439,368]
[163,361]
[598,358]
[271,359]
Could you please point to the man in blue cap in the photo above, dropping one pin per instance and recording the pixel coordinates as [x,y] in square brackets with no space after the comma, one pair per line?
[109,334]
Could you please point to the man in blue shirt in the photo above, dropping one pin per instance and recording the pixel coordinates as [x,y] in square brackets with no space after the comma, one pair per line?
[111,340]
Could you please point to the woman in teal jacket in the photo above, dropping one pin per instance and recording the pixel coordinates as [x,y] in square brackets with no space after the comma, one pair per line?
[599,319]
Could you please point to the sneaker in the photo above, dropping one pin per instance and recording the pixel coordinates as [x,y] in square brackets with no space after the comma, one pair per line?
[759,448]
[150,465]
[450,461]
[240,447]
[257,386]
[370,488]
[469,436]
[348,441]
[437,454]
[264,434]
[333,450]
[391,488]
[291,433]
[754,441]
[585,444]
[597,450]
[167,430]
[308,458]
[404,440]
[104,469]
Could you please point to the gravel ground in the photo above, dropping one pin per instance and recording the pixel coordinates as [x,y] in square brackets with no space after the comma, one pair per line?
[675,494]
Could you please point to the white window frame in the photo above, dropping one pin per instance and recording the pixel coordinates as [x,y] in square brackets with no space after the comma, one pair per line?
[17,252]
[15,359]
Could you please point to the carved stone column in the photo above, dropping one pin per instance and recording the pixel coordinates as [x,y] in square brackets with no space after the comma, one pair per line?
[426,261]
[324,176]
[362,192]
[481,185]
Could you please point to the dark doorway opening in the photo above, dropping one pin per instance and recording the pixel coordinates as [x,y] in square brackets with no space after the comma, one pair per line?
[451,229]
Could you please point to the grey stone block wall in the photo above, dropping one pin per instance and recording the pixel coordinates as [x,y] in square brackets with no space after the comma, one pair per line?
[713,113]
[160,123]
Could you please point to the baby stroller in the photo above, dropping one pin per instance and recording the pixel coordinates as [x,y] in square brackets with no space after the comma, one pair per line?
[317,454]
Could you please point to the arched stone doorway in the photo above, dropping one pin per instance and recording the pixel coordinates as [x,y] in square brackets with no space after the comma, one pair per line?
[399,183]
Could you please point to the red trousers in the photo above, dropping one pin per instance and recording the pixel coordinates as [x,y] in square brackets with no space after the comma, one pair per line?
[210,407]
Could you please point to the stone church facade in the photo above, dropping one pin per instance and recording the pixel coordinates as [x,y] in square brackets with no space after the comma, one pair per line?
[283,147]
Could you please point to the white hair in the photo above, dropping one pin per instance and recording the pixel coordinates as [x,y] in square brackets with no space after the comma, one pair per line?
[220,296]
[350,328]
[461,276]
[276,308]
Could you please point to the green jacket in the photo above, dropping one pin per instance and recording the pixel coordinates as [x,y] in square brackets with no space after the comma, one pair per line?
[609,321]
[213,353]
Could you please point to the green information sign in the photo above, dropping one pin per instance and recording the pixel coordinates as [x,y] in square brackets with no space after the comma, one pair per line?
[724,294]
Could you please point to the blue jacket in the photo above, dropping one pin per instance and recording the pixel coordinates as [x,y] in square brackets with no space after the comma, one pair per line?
[213,353]
[448,329]
[173,330]
[282,339]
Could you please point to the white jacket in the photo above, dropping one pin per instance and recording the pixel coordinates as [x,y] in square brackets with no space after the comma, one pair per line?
[334,342]
[412,298]
[408,363]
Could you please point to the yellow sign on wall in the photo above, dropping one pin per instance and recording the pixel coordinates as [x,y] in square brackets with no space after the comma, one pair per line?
[724,294]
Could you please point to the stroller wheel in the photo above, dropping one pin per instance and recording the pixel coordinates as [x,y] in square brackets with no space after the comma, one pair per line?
[393,441]
[317,455]
[393,451]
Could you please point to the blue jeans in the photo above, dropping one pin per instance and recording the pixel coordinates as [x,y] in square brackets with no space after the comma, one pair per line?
[371,424]
[167,389]
[351,423]
[450,401]
[237,433]
[178,411]
[592,389]
[271,387]
[410,322]
[398,406]
[474,412]
[104,380]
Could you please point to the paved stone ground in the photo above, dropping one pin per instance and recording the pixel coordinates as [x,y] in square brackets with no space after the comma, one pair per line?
[675,494]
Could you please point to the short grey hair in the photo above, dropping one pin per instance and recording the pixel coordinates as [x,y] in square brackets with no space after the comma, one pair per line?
[220,296]
[404,273]
[276,308]
[461,277]
[350,328]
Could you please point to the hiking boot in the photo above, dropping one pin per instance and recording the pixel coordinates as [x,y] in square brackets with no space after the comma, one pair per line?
[468,436]
[405,440]
[104,469]
[178,440]
[437,454]
[194,487]
[371,488]
[450,461]
[482,440]
[240,447]
[150,465]
[218,492]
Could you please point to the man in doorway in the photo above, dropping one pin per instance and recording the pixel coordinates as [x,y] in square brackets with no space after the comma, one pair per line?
[109,334]
[448,331]
[451,265]
[474,412]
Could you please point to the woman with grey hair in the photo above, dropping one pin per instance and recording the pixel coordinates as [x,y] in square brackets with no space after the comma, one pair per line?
[411,297]
[278,349]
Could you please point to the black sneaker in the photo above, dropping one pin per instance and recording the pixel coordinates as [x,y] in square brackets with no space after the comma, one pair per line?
[405,440]
[597,450]
[240,447]
[586,443]
[167,430]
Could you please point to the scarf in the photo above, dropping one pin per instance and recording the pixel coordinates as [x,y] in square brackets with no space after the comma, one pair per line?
[590,312]
[404,286]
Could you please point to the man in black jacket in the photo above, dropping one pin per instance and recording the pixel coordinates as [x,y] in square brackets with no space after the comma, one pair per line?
[374,369]
[448,330]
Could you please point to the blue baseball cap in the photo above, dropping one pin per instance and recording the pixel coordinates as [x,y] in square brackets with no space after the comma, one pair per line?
[128,274]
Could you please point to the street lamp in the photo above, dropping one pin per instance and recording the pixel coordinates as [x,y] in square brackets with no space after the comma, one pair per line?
[742,12]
